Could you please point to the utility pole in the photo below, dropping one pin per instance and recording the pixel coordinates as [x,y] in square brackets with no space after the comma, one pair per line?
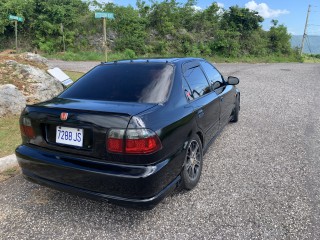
[305,30]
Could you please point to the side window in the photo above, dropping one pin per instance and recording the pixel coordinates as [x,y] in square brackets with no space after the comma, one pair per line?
[197,82]
[214,77]
[186,89]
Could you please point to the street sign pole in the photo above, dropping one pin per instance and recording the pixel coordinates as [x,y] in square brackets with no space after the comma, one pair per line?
[105,38]
[104,16]
[16,33]
[63,37]
[16,19]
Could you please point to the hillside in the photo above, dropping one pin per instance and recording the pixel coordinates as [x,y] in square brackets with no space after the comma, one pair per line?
[314,43]
[157,28]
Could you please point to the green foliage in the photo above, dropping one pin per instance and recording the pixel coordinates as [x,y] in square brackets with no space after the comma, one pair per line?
[315,56]
[152,28]
[279,39]
[241,20]
[129,53]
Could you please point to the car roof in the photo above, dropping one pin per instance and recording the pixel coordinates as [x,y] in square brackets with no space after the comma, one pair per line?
[154,60]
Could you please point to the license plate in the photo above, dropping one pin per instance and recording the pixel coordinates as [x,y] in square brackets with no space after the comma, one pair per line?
[69,136]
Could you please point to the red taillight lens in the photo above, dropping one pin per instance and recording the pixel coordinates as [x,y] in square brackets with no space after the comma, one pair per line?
[26,128]
[133,141]
[145,145]
[115,145]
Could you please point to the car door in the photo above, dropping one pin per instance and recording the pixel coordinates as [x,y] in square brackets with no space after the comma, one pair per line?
[203,99]
[224,91]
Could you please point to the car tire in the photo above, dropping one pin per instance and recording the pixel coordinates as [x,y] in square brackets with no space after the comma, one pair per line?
[235,116]
[192,168]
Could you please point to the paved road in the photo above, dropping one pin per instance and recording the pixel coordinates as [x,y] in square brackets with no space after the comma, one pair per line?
[261,177]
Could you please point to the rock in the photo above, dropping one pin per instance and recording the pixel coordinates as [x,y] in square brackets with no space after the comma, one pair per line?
[12,101]
[41,87]
[11,63]
[35,58]
[169,37]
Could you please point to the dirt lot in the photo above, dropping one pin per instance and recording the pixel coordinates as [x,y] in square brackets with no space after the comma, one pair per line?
[261,177]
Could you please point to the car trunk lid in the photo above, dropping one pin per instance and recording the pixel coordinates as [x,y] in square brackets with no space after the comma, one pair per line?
[92,118]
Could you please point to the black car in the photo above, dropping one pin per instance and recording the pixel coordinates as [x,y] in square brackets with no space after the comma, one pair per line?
[128,131]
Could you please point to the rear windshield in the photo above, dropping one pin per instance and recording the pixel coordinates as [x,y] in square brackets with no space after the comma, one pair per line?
[140,82]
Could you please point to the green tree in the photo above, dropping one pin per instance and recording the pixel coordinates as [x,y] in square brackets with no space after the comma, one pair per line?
[48,17]
[129,26]
[279,39]
[237,28]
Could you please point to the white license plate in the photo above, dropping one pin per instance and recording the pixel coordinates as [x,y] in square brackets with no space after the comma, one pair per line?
[69,136]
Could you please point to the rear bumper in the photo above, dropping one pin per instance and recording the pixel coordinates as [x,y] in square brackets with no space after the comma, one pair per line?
[137,186]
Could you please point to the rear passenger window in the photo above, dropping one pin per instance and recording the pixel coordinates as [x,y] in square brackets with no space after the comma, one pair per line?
[197,82]
[214,77]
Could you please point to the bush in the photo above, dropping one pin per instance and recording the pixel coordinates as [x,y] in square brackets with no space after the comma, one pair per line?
[128,53]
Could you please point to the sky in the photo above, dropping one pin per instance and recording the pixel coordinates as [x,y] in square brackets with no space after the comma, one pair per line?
[291,13]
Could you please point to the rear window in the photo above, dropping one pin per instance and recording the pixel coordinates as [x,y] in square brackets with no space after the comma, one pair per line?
[140,82]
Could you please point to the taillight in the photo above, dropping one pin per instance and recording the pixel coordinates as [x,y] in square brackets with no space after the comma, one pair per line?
[115,140]
[26,128]
[133,141]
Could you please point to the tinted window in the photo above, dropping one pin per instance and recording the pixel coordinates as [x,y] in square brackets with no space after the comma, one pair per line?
[143,82]
[213,75]
[186,90]
[197,82]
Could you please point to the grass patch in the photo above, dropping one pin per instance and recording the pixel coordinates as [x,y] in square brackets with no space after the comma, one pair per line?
[79,56]
[9,173]
[10,136]
[74,75]
[310,59]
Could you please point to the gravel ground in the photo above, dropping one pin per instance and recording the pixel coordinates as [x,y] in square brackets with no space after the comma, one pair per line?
[73,66]
[261,177]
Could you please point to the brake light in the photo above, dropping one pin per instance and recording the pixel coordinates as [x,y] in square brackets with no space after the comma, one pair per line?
[26,128]
[133,141]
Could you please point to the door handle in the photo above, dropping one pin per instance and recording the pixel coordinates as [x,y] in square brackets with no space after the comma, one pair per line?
[200,113]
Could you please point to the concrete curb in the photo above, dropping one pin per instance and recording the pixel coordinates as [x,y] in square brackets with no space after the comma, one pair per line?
[8,162]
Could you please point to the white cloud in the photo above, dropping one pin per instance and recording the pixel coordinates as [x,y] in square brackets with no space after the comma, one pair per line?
[221,6]
[196,8]
[264,10]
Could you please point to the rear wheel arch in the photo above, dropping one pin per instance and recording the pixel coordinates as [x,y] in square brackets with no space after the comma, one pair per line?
[200,135]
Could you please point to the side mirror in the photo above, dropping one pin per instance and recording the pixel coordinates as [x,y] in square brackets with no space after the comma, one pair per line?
[216,85]
[233,80]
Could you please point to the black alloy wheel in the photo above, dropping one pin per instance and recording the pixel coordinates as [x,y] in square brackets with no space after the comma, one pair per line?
[193,164]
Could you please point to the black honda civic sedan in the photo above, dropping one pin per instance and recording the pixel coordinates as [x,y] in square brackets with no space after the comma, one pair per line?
[128,131]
